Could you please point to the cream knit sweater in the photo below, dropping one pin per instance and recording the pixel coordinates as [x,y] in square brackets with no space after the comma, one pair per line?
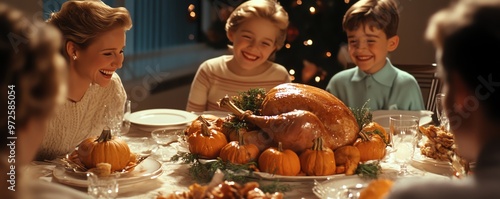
[76,121]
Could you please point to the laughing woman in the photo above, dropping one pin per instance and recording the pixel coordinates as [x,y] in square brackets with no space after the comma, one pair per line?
[94,39]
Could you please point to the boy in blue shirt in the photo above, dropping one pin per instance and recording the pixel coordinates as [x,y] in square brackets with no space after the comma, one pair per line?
[371,27]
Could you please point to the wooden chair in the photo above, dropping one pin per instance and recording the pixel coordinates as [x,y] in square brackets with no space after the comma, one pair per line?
[427,79]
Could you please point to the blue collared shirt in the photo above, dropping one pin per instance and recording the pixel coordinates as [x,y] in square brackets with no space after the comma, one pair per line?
[388,89]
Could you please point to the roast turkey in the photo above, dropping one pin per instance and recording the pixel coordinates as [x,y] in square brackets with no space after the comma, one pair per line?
[295,114]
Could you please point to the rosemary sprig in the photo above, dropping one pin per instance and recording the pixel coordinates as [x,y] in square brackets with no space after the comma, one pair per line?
[369,170]
[276,186]
[363,115]
[250,100]
[203,172]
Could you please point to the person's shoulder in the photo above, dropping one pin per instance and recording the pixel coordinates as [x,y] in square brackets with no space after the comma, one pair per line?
[344,74]
[116,82]
[216,60]
[41,189]
[403,76]
[430,188]
[279,67]
[215,63]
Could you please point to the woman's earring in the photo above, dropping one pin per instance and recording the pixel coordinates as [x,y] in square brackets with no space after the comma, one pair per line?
[74,57]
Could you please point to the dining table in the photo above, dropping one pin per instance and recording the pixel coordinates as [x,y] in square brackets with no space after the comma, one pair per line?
[175,176]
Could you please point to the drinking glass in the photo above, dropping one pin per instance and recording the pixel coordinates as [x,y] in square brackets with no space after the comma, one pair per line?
[440,113]
[164,137]
[121,122]
[103,187]
[404,130]
[125,120]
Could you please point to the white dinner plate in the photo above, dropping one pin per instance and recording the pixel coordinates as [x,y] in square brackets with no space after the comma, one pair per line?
[425,163]
[148,169]
[282,178]
[162,117]
[336,187]
[221,114]
[382,116]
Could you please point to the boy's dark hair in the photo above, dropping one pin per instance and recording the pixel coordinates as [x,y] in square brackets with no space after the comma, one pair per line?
[380,14]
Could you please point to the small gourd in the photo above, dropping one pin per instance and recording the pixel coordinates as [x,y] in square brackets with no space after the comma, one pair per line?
[207,143]
[280,162]
[238,152]
[347,159]
[104,149]
[318,160]
[372,142]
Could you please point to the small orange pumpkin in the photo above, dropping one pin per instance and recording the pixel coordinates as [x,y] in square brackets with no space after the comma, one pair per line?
[280,162]
[211,120]
[238,152]
[347,159]
[207,142]
[104,149]
[372,142]
[319,160]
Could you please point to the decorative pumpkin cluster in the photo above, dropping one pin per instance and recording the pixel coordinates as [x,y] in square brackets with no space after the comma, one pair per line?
[207,138]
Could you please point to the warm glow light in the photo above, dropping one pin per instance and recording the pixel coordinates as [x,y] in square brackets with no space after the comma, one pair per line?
[317,79]
[292,78]
[309,42]
[299,2]
[192,14]
[191,7]
[191,37]
[292,72]
[312,10]
[434,64]
[328,54]
[288,45]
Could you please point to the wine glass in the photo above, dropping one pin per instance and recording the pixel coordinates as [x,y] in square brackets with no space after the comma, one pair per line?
[125,120]
[121,122]
[164,137]
[440,113]
[404,130]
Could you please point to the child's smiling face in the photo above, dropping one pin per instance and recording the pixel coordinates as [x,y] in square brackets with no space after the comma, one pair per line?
[369,46]
[253,42]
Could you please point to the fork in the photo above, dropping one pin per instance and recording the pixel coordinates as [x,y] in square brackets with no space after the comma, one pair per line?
[139,160]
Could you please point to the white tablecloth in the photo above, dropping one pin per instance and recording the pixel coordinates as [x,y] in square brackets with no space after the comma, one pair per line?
[176,177]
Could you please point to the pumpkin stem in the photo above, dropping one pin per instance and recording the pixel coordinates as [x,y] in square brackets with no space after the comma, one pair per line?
[240,137]
[363,134]
[204,129]
[105,135]
[318,144]
[203,120]
[280,147]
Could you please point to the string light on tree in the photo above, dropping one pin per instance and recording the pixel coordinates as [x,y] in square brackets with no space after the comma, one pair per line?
[308,42]
[191,12]
[312,10]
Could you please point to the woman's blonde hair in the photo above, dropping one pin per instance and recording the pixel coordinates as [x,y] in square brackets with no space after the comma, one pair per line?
[80,21]
[266,9]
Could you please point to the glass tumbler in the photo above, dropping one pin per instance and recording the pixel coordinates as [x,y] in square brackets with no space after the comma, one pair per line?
[103,187]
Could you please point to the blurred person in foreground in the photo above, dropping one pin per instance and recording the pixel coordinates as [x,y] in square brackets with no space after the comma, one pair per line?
[33,84]
[93,43]
[466,35]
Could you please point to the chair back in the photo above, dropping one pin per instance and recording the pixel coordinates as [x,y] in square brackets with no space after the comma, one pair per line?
[427,79]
